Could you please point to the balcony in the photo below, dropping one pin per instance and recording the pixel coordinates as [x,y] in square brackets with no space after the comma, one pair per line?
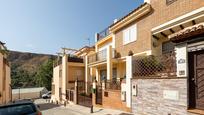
[70,58]
[100,56]
[103,34]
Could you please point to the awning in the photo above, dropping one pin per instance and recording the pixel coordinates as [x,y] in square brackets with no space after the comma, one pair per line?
[187,33]
[178,24]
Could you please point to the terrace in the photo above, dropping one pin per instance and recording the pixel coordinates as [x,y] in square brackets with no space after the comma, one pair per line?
[100,56]
[103,34]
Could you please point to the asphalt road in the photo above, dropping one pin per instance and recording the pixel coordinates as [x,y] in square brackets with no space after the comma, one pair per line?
[53,109]
[71,109]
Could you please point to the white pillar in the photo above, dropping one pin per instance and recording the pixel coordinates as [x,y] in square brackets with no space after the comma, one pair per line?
[109,62]
[128,80]
[64,75]
[86,73]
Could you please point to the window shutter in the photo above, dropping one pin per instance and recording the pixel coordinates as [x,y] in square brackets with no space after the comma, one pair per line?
[126,36]
[133,33]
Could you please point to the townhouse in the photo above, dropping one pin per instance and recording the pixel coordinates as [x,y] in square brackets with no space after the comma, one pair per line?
[147,62]
[68,68]
[5,80]
[150,61]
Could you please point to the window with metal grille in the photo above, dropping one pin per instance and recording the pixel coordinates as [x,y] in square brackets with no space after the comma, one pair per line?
[167,47]
[168,2]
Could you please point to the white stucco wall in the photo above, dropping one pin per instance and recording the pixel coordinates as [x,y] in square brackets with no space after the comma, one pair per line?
[181,60]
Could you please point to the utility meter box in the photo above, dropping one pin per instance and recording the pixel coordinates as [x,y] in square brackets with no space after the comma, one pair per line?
[134,90]
[123,96]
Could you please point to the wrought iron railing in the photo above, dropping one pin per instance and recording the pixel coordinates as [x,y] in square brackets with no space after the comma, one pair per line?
[69,59]
[103,34]
[70,95]
[155,66]
[113,84]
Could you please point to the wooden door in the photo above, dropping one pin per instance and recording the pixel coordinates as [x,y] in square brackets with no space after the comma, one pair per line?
[199,77]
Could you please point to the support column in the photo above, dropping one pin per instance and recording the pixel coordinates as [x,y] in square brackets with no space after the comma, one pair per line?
[128,80]
[64,76]
[94,93]
[87,74]
[97,74]
[76,92]
[109,63]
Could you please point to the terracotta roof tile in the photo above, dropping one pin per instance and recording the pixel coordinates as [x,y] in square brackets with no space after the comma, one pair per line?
[187,33]
[128,14]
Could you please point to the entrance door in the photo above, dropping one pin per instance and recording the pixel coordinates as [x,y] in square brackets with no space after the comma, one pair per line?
[196,81]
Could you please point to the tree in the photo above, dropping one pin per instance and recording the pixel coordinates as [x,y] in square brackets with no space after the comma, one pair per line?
[21,78]
[44,75]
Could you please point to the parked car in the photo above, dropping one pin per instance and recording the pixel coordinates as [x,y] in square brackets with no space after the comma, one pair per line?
[47,95]
[20,108]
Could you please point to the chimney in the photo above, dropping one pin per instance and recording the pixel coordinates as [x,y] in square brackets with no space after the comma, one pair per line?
[147,1]
[115,20]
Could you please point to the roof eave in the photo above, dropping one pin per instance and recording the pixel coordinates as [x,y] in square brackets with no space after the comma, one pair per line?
[136,14]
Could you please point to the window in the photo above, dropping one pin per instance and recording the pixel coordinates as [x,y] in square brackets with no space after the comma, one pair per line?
[130,34]
[167,47]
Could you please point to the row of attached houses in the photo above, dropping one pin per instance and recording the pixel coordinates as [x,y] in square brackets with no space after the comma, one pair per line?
[5,80]
[147,62]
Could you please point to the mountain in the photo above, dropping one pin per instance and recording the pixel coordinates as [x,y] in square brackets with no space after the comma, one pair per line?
[27,69]
[28,61]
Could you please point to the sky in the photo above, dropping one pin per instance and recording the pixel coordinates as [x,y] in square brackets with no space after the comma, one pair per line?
[44,26]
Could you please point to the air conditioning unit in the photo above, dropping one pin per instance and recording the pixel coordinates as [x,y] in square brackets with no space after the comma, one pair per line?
[123,96]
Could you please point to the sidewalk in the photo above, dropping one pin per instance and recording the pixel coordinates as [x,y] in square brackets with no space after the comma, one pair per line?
[96,110]
[72,109]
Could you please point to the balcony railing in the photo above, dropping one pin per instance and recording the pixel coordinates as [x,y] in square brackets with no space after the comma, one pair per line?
[99,56]
[69,59]
[103,34]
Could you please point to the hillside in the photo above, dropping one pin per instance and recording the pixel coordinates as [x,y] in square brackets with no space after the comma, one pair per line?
[30,69]
[28,61]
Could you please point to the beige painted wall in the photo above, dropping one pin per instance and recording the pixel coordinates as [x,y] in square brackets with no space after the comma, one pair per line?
[1,78]
[4,80]
[57,81]
[75,72]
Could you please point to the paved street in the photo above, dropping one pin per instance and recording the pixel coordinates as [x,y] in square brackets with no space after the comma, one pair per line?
[53,109]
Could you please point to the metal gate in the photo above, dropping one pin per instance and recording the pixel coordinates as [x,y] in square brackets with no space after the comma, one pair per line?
[99,94]
[199,74]
[196,61]
[84,98]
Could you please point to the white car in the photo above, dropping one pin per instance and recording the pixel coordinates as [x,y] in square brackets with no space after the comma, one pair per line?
[47,95]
